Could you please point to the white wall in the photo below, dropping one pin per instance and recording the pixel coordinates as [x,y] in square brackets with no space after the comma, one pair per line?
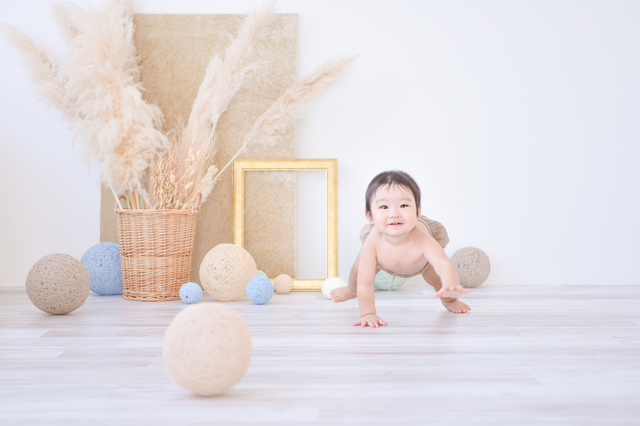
[517,118]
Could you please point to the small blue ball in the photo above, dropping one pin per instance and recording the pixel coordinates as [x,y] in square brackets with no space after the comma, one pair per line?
[102,262]
[190,293]
[260,290]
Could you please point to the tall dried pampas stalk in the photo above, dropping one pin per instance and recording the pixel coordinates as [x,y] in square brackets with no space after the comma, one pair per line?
[64,19]
[196,134]
[120,129]
[296,99]
[98,91]
[238,61]
[292,104]
[44,71]
[196,145]
[223,80]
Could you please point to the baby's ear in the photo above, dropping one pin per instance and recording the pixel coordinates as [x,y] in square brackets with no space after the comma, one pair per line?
[369,217]
[418,211]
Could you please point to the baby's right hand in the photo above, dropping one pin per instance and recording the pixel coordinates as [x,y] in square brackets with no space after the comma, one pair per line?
[371,320]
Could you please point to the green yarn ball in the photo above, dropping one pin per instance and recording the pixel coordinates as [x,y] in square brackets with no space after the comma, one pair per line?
[383,281]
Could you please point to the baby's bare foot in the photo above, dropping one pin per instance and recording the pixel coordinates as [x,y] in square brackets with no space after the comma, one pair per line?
[341,294]
[455,306]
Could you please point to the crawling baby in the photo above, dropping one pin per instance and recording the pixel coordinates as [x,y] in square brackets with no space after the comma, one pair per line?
[401,242]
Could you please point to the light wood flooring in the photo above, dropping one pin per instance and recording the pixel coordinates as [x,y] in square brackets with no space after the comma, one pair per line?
[523,355]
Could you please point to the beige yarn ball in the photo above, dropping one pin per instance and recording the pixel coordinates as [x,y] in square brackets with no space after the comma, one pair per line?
[331,283]
[472,265]
[58,284]
[225,272]
[207,348]
[283,283]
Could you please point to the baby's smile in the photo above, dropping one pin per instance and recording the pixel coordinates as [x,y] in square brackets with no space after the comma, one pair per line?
[394,211]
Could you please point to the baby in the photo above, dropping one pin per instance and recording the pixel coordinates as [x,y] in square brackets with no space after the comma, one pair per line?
[400,242]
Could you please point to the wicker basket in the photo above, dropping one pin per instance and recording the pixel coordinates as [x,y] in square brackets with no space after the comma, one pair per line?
[155,250]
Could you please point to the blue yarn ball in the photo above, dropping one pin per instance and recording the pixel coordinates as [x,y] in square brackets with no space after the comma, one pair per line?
[383,281]
[102,262]
[259,290]
[190,293]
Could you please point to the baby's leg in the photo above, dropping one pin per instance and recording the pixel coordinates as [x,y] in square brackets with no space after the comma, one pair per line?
[341,294]
[451,303]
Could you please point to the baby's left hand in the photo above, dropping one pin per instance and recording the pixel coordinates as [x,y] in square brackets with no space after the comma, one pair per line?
[453,291]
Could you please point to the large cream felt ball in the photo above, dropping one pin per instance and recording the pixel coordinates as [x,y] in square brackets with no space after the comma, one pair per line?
[331,283]
[283,283]
[207,348]
[225,272]
[472,265]
[58,284]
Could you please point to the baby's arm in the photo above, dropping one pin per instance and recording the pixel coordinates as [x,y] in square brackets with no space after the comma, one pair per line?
[444,268]
[367,269]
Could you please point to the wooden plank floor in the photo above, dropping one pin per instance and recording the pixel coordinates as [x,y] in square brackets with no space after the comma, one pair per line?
[523,355]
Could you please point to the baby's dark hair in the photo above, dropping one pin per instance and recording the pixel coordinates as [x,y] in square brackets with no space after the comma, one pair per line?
[390,178]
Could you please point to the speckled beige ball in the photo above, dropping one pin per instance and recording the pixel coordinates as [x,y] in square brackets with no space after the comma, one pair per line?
[58,284]
[225,272]
[283,283]
[472,265]
[207,348]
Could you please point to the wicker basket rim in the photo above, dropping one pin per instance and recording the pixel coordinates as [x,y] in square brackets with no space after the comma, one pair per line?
[193,210]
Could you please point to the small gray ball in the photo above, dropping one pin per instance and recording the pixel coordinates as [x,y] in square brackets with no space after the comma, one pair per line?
[472,265]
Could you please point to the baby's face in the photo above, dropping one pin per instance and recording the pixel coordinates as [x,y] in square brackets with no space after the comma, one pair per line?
[393,210]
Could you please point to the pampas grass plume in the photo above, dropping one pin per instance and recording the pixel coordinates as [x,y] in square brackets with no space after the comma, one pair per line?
[64,19]
[222,81]
[296,100]
[237,63]
[120,129]
[98,90]
[269,127]
[44,71]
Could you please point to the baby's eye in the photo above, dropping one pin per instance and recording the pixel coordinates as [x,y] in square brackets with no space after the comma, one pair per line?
[383,207]
[404,205]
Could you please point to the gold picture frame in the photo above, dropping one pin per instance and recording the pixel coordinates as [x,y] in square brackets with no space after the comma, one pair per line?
[330,166]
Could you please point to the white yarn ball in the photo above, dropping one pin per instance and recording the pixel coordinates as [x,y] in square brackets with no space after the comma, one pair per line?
[472,265]
[207,348]
[225,272]
[331,283]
